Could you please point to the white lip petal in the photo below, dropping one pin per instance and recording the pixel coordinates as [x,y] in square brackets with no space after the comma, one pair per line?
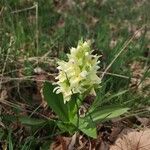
[73,50]
[87,53]
[59,68]
[56,88]
[83,74]
[58,91]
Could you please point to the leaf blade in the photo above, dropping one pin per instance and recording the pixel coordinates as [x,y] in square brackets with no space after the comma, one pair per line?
[55,101]
[107,113]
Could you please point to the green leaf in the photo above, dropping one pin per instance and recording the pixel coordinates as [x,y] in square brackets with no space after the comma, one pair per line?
[86,125]
[66,127]
[1,133]
[55,101]
[27,120]
[46,145]
[10,144]
[31,121]
[27,143]
[106,113]
[8,118]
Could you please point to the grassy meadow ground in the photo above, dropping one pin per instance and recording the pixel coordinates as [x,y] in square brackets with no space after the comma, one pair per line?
[34,35]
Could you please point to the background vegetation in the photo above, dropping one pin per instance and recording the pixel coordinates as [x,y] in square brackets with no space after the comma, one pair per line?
[33,35]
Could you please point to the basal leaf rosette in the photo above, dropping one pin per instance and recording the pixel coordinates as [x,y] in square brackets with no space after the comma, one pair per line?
[79,73]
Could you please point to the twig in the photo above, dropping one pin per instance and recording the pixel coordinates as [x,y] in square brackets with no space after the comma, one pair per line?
[117,75]
[24,79]
[35,110]
[5,62]
[1,11]
[13,105]
[28,78]
[25,9]
[123,48]
[37,31]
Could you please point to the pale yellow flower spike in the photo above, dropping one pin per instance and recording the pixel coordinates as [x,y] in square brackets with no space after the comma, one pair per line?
[78,74]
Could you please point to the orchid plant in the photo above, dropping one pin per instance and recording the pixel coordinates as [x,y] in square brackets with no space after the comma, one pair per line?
[77,78]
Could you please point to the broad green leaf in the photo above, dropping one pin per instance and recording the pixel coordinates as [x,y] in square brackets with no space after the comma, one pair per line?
[66,127]
[106,113]
[55,101]
[86,125]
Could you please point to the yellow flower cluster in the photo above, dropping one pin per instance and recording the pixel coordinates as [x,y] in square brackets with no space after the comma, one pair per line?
[78,74]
